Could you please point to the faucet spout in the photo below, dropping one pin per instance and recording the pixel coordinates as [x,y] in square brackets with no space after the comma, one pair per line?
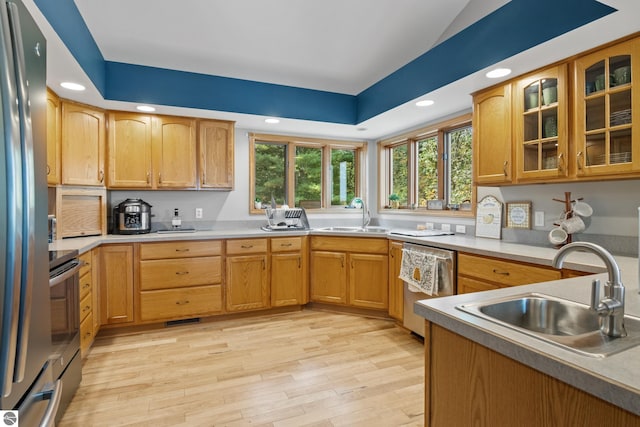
[366,218]
[612,306]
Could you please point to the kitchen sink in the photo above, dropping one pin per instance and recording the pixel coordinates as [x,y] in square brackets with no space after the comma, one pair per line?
[369,229]
[562,322]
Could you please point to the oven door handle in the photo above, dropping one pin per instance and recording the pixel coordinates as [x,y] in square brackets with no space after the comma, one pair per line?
[64,276]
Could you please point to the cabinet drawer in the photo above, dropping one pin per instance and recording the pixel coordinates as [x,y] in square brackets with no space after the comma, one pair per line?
[180,303]
[504,272]
[286,244]
[182,249]
[349,244]
[178,273]
[86,282]
[86,259]
[246,246]
[86,306]
[86,334]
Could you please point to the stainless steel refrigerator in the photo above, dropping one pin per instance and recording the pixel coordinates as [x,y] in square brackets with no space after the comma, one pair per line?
[26,385]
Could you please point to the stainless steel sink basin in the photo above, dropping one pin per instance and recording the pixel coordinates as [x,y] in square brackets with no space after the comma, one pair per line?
[565,323]
[369,229]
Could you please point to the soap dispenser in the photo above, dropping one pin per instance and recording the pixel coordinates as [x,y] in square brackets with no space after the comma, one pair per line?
[176,221]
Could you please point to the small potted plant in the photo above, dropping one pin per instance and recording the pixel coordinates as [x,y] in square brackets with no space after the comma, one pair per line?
[257,203]
[394,200]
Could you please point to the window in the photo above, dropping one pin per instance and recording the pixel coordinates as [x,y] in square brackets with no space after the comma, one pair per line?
[292,171]
[428,164]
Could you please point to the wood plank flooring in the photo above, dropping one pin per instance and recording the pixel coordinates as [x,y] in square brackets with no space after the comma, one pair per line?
[306,368]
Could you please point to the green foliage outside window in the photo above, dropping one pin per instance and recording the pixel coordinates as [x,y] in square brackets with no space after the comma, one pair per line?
[270,172]
[460,154]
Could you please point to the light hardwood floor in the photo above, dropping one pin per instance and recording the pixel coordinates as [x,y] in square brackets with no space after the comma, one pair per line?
[307,368]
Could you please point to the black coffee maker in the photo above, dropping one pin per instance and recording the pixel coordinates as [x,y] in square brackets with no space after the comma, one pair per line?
[133,216]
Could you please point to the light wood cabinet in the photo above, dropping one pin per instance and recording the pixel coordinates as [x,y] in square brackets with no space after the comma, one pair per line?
[464,381]
[396,285]
[174,152]
[350,271]
[492,144]
[129,151]
[83,145]
[181,279]
[289,283]
[247,279]
[607,106]
[215,154]
[541,127]
[116,284]
[480,273]
[54,137]
[81,211]
[86,297]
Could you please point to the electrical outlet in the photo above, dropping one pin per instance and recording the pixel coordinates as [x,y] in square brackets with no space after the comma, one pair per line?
[539,219]
[429,225]
[461,229]
[446,227]
[199,213]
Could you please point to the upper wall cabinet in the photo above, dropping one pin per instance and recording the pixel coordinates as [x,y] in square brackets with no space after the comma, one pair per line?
[607,107]
[541,126]
[174,151]
[492,136]
[54,137]
[215,160]
[83,145]
[129,151]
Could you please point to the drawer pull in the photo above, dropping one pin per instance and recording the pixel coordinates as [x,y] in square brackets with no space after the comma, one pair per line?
[181,273]
[182,250]
[182,302]
[504,273]
[86,286]
[286,244]
[246,246]
[86,308]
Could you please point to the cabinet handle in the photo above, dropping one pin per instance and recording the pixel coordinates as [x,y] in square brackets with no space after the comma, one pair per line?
[48,170]
[148,177]
[182,302]
[504,167]
[285,244]
[264,264]
[561,162]
[182,250]
[160,178]
[101,176]
[204,178]
[299,263]
[86,308]
[86,285]
[504,273]
[181,273]
[246,246]
[578,160]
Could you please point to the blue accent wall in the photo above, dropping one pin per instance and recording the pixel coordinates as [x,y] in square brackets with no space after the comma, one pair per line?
[515,27]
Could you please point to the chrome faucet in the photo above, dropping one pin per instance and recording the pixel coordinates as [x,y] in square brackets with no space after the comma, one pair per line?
[366,217]
[611,307]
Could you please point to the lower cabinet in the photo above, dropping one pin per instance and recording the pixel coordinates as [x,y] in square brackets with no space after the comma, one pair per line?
[180,279]
[87,297]
[247,279]
[116,284]
[396,285]
[288,272]
[350,271]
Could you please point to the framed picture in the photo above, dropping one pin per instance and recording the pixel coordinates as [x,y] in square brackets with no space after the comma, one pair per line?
[519,215]
[489,218]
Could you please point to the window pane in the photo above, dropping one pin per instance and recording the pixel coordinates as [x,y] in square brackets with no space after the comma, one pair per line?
[460,156]
[308,170]
[399,173]
[428,170]
[271,172]
[343,176]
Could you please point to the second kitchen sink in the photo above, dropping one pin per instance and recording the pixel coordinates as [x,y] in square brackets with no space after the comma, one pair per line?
[568,324]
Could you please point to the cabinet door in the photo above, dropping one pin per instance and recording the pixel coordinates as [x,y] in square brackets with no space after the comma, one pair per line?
[287,279]
[329,277]
[54,137]
[396,285]
[368,284]
[540,124]
[83,145]
[216,154]
[129,151]
[492,136]
[174,152]
[116,284]
[247,282]
[607,106]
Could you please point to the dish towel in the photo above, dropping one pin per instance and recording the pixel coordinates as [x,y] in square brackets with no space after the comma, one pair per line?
[418,269]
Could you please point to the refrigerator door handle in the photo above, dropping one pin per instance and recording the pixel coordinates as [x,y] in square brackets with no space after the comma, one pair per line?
[13,249]
[28,194]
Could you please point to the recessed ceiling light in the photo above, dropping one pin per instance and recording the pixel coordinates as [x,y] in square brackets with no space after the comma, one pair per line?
[362,129]
[72,86]
[272,121]
[425,103]
[145,108]
[498,72]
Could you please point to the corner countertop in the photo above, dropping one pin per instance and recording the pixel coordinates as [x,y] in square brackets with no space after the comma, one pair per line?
[615,379]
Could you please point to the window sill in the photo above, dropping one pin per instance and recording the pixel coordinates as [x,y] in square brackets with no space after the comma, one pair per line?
[428,212]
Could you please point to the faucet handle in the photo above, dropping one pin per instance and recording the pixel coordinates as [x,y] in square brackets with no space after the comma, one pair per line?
[595,294]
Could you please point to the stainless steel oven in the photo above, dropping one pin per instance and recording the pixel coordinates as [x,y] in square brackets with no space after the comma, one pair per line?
[64,268]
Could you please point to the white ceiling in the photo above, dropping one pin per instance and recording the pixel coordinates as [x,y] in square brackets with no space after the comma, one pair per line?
[334,45]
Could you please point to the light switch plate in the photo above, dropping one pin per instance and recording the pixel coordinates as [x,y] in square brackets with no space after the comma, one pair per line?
[461,229]
[198,213]
[429,225]
[446,227]
[539,219]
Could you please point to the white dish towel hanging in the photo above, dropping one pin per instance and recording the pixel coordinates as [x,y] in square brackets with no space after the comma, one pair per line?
[419,269]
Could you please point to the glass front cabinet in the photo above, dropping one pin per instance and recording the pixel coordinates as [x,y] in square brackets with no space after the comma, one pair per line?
[607,105]
[541,125]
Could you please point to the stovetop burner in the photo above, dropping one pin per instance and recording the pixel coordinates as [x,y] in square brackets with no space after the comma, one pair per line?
[57,258]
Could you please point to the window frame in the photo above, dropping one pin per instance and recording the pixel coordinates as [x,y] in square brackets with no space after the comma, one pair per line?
[291,142]
[411,139]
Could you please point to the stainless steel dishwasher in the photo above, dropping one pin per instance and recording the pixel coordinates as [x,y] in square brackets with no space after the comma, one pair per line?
[445,284]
